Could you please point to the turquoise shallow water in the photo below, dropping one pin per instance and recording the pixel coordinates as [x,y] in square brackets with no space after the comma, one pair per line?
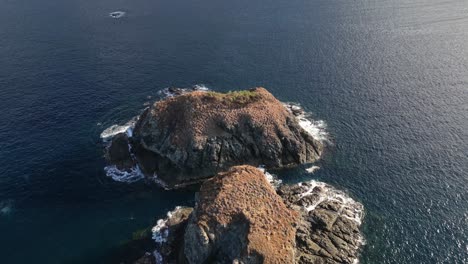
[389,78]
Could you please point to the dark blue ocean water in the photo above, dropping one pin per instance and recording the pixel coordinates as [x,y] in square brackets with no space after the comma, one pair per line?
[390,79]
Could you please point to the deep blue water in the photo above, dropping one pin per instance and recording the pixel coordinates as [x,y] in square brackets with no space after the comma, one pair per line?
[390,78]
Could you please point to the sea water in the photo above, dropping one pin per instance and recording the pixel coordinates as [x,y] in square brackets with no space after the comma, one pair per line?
[388,78]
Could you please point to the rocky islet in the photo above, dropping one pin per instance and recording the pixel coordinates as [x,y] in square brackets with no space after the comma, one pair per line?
[239,217]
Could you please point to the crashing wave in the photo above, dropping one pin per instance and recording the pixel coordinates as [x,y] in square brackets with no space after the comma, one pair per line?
[173,91]
[131,176]
[323,192]
[160,230]
[315,128]
[113,130]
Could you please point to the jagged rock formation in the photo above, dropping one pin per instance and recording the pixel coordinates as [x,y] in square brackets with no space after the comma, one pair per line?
[328,230]
[240,218]
[192,136]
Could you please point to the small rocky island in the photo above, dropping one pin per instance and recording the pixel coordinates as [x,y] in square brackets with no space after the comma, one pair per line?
[241,214]
[190,137]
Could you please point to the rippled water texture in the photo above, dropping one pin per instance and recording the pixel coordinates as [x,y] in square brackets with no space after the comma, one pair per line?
[389,78]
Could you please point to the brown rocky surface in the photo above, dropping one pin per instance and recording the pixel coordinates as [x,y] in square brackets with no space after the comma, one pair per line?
[239,218]
[192,136]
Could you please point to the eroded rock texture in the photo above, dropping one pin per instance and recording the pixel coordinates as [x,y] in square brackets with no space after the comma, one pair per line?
[192,136]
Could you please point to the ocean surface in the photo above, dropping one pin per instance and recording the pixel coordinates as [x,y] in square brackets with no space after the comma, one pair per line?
[389,79]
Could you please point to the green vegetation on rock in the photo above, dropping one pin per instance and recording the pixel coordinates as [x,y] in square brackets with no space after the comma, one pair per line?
[239,97]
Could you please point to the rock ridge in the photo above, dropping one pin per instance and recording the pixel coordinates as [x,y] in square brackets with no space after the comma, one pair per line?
[191,136]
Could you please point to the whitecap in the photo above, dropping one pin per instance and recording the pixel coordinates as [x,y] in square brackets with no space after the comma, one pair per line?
[117,14]
[133,175]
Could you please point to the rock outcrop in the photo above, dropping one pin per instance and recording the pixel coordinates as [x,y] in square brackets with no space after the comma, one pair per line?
[240,218]
[190,137]
[328,230]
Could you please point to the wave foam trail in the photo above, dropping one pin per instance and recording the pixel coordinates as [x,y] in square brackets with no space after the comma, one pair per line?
[131,176]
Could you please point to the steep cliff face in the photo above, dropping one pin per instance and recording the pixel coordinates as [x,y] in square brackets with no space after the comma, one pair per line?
[239,218]
[192,136]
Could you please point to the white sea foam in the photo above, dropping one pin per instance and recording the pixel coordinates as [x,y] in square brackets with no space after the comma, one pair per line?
[160,230]
[272,179]
[350,208]
[312,169]
[131,176]
[158,257]
[113,130]
[117,14]
[315,128]
[171,92]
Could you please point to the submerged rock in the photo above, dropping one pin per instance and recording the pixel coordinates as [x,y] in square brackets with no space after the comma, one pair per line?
[192,136]
[240,218]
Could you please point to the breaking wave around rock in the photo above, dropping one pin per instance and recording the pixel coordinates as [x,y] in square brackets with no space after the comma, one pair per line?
[315,128]
[131,176]
[160,230]
[113,130]
[172,91]
[323,192]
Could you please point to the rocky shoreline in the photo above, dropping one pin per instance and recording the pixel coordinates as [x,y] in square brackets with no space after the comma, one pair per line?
[239,217]
[242,214]
[190,136]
